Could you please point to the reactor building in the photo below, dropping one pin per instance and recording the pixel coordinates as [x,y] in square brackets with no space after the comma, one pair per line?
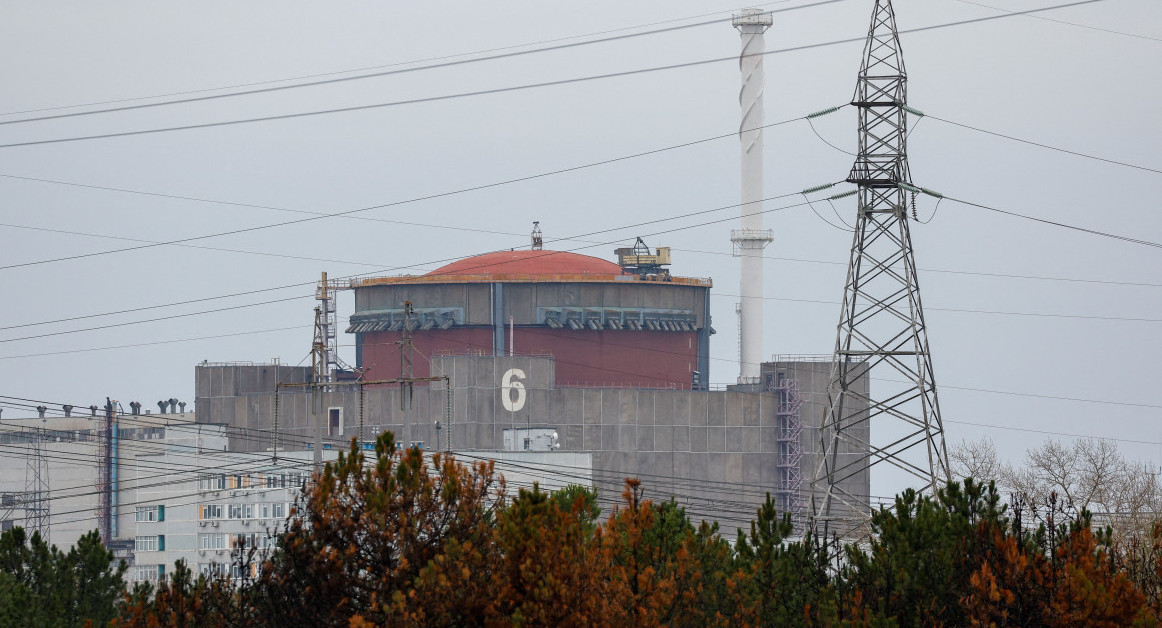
[605,324]
[554,352]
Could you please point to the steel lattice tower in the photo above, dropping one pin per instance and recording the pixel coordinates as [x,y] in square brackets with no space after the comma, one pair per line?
[881,326]
[105,513]
[36,491]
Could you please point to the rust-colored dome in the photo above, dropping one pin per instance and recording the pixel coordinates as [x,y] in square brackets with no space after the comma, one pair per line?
[526,262]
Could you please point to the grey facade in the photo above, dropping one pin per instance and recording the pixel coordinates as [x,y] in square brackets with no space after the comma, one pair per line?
[712,451]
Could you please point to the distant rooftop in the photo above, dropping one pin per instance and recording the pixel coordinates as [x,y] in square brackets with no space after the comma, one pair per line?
[526,266]
[525,262]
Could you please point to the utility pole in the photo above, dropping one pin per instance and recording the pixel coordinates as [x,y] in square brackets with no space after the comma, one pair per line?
[320,377]
[105,477]
[406,370]
[881,327]
[36,489]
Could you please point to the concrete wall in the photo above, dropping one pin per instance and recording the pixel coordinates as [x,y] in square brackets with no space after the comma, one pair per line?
[521,300]
[714,452]
[812,376]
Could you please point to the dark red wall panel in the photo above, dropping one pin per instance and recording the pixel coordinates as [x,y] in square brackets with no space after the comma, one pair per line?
[583,357]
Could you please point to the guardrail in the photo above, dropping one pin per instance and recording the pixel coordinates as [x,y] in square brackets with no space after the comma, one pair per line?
[531,278]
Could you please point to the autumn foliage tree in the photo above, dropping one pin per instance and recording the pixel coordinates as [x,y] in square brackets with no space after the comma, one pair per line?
[415,539]
[397,542]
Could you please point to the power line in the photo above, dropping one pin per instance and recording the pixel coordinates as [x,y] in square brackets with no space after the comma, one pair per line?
[1055,223]
[545,253]
[446,64]
[514,88]
[364,69]
[299,285]
[151,320]
[783,299]
[191,246]
[1086,26]
[721,508]
[1045,146]
[654,350]
[269,207]
[155,343]
[1055,433]
[1141,284]
[393,203]
[971,311]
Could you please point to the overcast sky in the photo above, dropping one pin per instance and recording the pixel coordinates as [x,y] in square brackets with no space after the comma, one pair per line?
[1070,315]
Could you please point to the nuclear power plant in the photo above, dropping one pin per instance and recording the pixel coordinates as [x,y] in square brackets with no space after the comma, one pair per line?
[560,368]
[547,351]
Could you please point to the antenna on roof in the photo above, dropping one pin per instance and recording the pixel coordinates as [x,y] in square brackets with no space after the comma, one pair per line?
[538,242]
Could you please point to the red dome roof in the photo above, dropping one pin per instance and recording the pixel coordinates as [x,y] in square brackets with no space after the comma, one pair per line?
[526,262]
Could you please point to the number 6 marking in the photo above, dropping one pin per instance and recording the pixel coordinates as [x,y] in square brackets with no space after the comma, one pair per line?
[508,386]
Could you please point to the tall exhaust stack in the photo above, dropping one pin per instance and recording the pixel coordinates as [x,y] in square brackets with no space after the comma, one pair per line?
[751,239]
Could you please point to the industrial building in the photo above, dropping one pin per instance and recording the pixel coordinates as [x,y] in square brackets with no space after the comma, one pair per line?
[603,324]
[177,491]
[535,349]
[64,476]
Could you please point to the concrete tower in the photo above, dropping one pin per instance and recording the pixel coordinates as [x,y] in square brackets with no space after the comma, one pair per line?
[750,240]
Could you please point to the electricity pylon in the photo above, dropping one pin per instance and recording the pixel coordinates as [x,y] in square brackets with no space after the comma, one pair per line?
[881,327]
[36,487]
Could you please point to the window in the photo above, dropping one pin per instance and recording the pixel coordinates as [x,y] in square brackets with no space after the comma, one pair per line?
[210,569]
[149,573]
[264,511]
[247,511]
[335,421]
[211,541]
[246,541]
[235,511]
[212,483]
[146,543]
[150,513]
[238,571]
[275,481]
[278,511]
[211,511]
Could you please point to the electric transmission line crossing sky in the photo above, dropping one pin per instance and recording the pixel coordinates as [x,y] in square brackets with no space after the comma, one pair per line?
[1084,89]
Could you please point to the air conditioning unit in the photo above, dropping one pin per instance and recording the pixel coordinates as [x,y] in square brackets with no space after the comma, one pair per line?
[202,524]
[245,522]
[233,493]
[214,523]
[201,552]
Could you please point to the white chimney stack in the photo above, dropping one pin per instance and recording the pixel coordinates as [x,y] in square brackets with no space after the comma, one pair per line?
[750,240]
